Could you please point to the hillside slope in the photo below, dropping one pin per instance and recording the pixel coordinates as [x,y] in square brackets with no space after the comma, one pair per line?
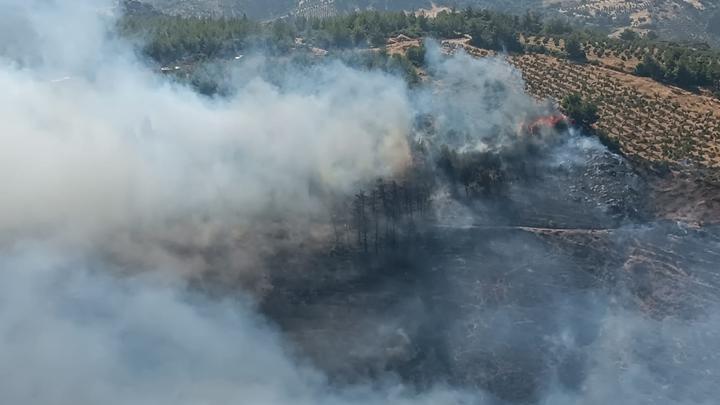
[674,19]
[223,8]
[694,20]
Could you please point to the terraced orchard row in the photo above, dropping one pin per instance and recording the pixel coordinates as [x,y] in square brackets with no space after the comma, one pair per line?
[648,119]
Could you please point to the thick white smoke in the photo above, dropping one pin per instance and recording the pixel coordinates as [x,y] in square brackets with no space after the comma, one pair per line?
[113,178]
[70,334]
[479,104]
[108,169]
[97,149]
[124,146]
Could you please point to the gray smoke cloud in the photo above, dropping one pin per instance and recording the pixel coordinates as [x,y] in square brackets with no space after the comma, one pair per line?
[98,150]
[479,104]
[72,334]
[116,185]
[120,187]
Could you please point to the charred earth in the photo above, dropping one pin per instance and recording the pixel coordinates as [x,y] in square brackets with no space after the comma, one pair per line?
[524,282]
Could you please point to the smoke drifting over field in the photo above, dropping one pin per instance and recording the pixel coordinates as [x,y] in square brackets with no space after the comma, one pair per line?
[127,200]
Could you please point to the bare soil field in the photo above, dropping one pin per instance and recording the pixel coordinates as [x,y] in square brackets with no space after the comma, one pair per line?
[401,44]
[650,120]
[433,11]
[624,60]
[638,12]
[674,19]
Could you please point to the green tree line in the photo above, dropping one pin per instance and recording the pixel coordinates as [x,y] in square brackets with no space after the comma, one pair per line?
[167,39]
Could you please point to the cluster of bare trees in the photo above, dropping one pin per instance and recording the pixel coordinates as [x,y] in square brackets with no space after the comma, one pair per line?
[380,218]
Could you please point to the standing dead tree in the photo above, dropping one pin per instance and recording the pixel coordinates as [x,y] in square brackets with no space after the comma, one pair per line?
[375,209]
[361,220]
[387,213]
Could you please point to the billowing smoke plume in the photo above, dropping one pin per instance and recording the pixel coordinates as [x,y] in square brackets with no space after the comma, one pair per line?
[109,170]
[98,147]
[479,105]
[72,334]
[123,191]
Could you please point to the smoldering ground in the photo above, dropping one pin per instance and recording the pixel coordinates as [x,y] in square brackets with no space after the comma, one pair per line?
[128,200]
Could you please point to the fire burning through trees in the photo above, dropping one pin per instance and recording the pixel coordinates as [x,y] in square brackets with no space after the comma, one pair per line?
[555,121]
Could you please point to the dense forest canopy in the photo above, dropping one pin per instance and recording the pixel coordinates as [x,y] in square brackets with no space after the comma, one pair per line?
[266,9]
[169,39]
